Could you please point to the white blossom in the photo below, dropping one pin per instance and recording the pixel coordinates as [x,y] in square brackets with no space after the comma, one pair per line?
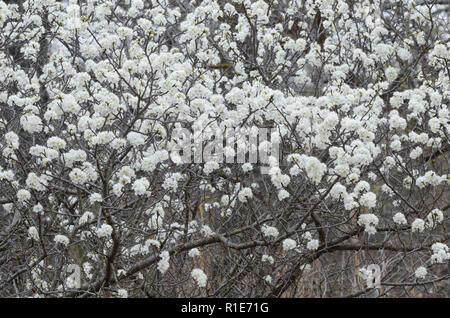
[23,195]
[421,272]
[122,293]
[269,231]
[199,276]
[194,252]
[105,230]
[33,233]
[289,244]
[399,218]
[312,245]
[163,264]
[62,239]
[418,225]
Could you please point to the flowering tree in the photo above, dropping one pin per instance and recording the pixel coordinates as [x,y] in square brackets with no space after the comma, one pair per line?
[121,172]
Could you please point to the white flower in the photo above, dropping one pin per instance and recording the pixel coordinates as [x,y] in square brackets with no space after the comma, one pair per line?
[418,225]
[383,51]
[103,137]
[289,244]
[436,247]
[194,252]
[312,245]
[117,189]
[268,279]
[399,218]
[199,276]
[95,197]
[391,74]
[135,138]
[163,264]
[403,54]
[435,216]
[313,167]
[122,293]
[78,176]
[278,179]
[138,4]
[246,167]
[368,199]
[434,124]
[171,182]
[12,139]
[31,123]
[35,182]
[105,230]
[430,177]
[371,230]
[396,145]
[244,194]
[69,104]
[33,233]
[56,143]
[229,9]
[126,174]
[415,153]
[210,166]
[74,156]
[269,230]
[87,268]
[395,121]
[86,217]
[206,231]
[440,253]
[307,235]
[267,258]
[62,239]
[23,195]
[118,143]
[368,219]
[38,208]
[140,186]
[421,272]
[339,190]
[225,200]
[283,194]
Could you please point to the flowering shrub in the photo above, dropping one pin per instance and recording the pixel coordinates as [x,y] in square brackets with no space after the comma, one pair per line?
[354,172]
